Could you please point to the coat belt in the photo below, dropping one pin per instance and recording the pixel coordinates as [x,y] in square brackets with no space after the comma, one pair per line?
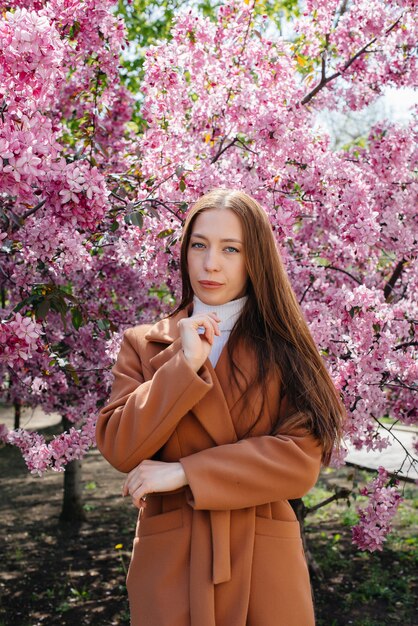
[211,564]
[220,522]
[213,560]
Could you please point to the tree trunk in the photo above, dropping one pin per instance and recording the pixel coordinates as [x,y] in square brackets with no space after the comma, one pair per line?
[17,407]
[72,503]
[300,510]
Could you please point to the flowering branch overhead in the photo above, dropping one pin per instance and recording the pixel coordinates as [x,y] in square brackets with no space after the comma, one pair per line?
[95,183]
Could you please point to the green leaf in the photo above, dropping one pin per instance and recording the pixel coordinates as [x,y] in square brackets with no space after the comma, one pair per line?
[42,309]
[322,261]
[165,233]
[354,310]
[191,35]
[74,30]
[70,369]
[137,219]
[76,317]
[103,324]
[182,184]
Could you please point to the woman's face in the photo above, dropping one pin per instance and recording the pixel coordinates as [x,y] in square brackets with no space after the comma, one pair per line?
[216,257]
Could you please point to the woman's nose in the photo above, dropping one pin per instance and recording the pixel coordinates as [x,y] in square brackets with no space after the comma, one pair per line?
[211,262]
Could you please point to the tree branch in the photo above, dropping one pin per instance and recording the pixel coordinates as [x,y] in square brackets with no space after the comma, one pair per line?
[398,385]
[220,152]
[242,49]
[405,345]
[412,460]
[392,280]
[325,80]
[341,494]
[305,292]
[339,269]
[33,210]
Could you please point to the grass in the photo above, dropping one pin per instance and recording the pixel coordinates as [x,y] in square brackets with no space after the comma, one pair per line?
[362,588]
[64,576]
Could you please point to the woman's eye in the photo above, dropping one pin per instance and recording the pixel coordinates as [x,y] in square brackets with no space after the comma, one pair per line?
[231,249]
[197,244]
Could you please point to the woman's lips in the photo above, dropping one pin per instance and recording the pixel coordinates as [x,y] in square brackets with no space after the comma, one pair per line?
[210,284]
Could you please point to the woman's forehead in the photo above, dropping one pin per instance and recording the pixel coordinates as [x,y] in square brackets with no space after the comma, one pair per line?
[219,223]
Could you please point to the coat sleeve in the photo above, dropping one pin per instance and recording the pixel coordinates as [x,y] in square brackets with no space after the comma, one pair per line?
[142,415]
[253,471]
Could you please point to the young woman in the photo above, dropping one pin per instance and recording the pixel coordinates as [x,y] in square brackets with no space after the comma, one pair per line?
[219,414]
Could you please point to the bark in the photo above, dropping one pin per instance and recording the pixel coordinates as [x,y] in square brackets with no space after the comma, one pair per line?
[17,407]
[72,503]
[301,511]
[387,292]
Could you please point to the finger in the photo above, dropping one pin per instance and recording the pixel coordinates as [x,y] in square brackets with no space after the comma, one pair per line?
[133,481]
[140,504]
[207,325]
[200,321]
[213,325]
[139,495]
[215,319]
[125,488]
[209,333]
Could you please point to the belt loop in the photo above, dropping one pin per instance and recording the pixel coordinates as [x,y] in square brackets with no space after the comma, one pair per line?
[221,534]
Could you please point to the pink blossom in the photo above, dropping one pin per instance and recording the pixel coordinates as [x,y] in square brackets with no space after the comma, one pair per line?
[222,106]
[376,517]
[19,338]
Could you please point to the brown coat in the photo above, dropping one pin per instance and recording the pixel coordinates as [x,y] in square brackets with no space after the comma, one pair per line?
[226,549]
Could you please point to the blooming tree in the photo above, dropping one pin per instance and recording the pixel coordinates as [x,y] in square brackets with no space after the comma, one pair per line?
[92,204]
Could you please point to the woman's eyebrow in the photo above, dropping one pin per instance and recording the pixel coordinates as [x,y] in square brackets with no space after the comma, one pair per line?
[226,239]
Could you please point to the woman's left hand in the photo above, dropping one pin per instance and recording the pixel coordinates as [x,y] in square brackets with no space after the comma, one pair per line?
[153,477]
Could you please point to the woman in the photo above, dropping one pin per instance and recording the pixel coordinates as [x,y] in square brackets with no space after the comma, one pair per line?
[219,414]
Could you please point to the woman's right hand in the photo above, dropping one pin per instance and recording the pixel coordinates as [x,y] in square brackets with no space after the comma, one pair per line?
[196,346]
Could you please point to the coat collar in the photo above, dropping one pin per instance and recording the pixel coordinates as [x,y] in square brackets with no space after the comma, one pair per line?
[218,423]
[166,330]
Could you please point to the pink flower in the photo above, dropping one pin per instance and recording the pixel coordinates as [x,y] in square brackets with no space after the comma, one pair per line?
[376,517]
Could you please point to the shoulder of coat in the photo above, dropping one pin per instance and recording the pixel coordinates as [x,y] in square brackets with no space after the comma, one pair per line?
[136,334]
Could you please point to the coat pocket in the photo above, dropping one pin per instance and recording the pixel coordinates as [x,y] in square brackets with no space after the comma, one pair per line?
[280,592]
[158,575]
[161,522]
[277,528]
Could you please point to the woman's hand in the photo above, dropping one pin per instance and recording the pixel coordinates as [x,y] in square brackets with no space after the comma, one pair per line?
[197,346]
[153,477]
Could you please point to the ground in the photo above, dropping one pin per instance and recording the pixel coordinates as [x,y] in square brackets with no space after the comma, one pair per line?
[60,574]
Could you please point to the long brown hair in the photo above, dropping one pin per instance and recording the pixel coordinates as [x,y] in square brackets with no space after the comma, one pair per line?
[272,323]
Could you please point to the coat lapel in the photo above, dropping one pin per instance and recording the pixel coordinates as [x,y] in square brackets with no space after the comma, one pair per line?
[213,410]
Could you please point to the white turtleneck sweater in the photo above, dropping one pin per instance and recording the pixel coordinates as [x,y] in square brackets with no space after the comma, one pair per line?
[228,314]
